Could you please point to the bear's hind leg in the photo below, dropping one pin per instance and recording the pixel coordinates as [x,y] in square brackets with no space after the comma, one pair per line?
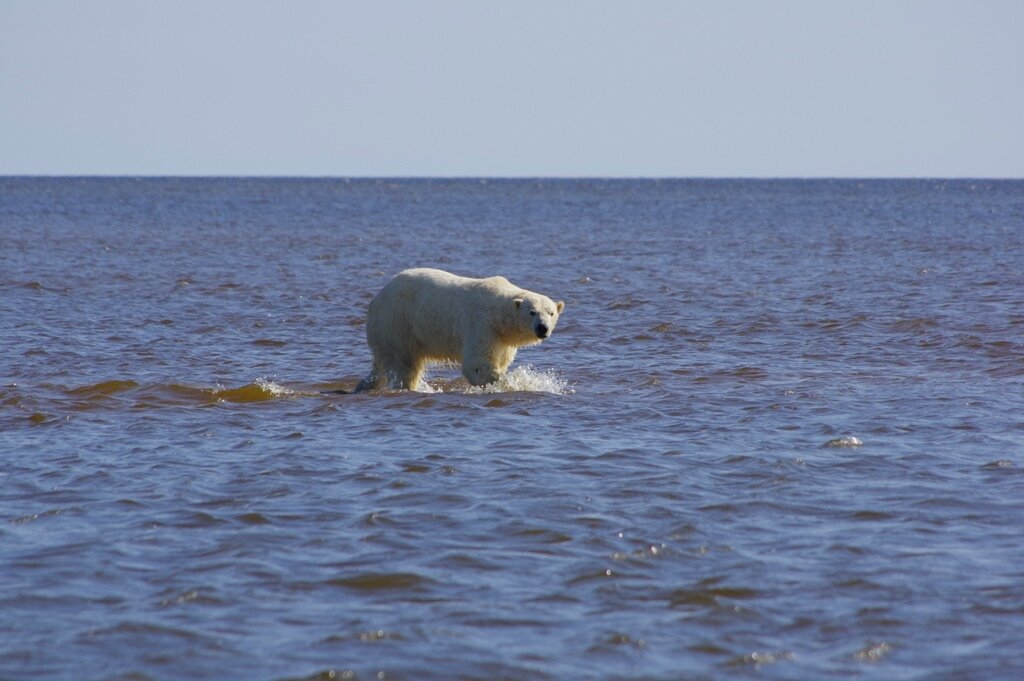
[405,374]
[376,379]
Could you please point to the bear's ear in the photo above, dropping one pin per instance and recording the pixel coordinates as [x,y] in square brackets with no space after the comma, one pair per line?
[518,302]
[560,305]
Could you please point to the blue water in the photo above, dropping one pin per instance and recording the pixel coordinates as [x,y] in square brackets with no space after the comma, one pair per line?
[777,433]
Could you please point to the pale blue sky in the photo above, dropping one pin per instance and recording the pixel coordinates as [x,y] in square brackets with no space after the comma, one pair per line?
[709,88]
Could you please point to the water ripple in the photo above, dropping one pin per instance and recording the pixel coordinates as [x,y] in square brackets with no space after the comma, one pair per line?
[778,433]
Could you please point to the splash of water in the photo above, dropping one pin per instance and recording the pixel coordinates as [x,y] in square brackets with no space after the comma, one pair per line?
[526,379]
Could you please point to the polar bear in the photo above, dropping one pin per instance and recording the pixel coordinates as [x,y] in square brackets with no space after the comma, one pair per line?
[427,315]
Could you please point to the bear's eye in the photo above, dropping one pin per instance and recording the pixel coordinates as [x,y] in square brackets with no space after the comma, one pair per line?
[533,313]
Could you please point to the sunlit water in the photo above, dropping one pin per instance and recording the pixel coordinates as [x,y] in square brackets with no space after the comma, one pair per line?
[778,433]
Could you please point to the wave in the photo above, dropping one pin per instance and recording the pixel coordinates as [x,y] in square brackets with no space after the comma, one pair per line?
[40,405]
[44,400]
[260,390]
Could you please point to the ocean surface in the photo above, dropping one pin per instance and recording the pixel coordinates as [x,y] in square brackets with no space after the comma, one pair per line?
[777,434]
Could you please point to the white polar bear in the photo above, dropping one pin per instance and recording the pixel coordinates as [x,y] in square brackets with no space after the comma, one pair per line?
[426,315]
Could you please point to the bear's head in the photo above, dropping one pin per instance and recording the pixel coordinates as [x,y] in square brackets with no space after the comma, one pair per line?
[537,315]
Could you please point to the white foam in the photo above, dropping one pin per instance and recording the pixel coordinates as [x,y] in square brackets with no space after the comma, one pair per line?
[847,441]
[526,379]
[447,378]
[274,389]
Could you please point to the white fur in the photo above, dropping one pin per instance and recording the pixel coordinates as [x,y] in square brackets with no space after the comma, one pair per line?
[427,315]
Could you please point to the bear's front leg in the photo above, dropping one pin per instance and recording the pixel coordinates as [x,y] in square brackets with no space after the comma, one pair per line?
[484,360]
[480,373]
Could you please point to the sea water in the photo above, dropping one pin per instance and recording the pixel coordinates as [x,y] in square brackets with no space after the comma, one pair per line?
[778,433]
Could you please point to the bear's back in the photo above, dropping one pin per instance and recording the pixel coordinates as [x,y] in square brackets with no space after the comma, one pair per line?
[423,279]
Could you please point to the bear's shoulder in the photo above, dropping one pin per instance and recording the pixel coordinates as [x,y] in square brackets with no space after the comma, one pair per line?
[498,282]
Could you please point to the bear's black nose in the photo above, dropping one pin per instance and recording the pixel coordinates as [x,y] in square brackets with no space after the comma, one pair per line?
[542,331]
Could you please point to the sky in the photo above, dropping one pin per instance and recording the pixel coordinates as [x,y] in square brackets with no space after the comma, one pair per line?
[716,88]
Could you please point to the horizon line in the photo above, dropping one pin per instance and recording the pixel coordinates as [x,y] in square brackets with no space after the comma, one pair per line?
[271,176]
